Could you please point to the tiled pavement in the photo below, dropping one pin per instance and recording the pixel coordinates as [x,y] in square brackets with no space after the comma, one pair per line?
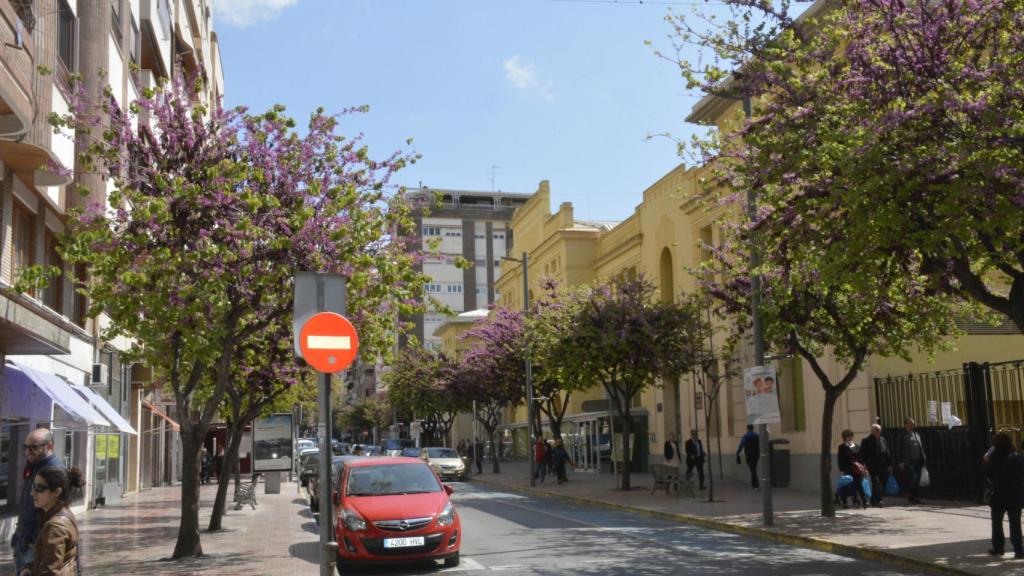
[136,536]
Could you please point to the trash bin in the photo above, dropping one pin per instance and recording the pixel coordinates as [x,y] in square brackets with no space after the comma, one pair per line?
[778,458]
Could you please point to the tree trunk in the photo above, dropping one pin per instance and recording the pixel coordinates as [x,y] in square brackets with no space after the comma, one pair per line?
[188,543]
[224,480]
[627,429]
[828,508]
[556,426]
[707,456]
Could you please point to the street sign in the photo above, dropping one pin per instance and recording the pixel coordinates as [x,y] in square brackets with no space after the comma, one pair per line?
[315,292]
[328,342]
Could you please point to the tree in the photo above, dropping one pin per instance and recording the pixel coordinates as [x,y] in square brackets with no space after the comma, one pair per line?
[493,371]
[626,340]
[421,383]
[265,374]
[549,351]
[365,415]
[209,215]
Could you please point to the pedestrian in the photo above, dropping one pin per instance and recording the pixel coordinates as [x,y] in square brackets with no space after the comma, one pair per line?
[1005,469]
[561,457]
[38,455]
[56,547]
[461,447]
[357,450]
[478,456]
[750,446]
[204,466]
[672,454]
[695,457]
[911,459]
[849,463]
[876,456]
[540,458]
[218,462]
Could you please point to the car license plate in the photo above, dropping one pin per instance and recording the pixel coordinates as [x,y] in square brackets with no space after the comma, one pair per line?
[403,542]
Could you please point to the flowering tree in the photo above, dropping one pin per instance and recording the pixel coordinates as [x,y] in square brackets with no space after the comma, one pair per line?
[493,371]
[420,382]
[364,415]
[625,339]
[209,215]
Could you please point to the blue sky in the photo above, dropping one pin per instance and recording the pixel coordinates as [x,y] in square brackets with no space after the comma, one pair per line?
[556,90]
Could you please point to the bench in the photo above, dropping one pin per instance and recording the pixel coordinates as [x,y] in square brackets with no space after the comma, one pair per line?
[246,494]
[668,477]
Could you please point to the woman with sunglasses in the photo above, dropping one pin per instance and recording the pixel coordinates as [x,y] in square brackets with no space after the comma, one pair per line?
[56,548]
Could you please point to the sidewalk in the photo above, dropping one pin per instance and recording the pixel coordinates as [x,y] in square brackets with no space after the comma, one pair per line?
[137,534]
[944,537]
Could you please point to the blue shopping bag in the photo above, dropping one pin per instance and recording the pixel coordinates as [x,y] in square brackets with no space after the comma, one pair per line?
[892,487]
[844,481]
[866,484]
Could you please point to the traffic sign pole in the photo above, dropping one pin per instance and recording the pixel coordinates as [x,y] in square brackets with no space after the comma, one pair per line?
[328,546]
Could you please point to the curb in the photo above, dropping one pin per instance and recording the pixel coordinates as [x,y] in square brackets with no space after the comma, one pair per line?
[873,554]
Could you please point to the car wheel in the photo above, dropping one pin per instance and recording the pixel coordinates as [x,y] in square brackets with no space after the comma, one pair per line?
[452,561]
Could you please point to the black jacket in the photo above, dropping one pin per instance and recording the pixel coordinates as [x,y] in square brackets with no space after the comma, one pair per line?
[692,456]
[875,454]
[1006,473]
[847,456]
[671,450]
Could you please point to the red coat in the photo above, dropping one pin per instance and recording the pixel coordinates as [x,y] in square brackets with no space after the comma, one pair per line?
[540,452]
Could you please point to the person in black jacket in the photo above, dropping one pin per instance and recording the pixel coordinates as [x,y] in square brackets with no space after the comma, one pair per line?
[750,447]
[849,463]
[1004,467]
[695,457]
[876,456]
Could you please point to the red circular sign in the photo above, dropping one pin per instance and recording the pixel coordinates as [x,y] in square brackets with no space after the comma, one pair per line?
[328,342]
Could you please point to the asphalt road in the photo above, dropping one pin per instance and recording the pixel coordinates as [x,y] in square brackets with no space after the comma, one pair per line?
[519,535]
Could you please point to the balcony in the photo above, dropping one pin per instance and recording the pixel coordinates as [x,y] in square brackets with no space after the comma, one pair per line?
[155,20]
[17,66]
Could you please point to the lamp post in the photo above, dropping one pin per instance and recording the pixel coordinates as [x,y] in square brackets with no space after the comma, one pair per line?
[525,261]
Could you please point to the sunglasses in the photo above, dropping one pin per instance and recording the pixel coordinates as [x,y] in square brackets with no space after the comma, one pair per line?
[40,488]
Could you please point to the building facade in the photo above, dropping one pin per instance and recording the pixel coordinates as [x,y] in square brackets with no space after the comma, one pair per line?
[107,417]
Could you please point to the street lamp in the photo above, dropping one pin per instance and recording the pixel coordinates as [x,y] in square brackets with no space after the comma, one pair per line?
[525,261]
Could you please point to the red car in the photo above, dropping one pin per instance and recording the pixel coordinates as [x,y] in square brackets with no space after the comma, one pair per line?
[392,510]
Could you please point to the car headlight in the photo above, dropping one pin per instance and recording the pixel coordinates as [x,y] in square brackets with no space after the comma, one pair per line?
[447,516]
[352,520]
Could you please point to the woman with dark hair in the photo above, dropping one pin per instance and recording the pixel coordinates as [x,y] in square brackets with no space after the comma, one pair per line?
[56,548]
[1005,469]
[849,463]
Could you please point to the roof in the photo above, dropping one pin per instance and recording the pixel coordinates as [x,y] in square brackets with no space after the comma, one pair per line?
[361,461]
[603,225]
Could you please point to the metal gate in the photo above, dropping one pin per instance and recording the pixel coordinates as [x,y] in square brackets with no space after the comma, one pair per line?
[584,445]
[956,412]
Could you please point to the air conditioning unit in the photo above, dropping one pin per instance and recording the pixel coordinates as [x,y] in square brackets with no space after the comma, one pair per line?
[99,375]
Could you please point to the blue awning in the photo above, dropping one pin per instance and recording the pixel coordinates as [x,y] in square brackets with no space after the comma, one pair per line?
[57,389]
[104,407]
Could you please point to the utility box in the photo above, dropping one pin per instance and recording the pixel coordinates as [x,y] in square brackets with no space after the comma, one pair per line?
[778,457]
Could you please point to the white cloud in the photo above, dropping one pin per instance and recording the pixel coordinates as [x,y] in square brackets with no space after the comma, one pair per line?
[247,12]
[524,76]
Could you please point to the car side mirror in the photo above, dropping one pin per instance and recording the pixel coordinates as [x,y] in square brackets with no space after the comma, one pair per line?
[448,489]
[337,498]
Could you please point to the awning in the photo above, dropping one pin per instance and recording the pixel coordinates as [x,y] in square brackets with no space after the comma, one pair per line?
[58,390]
[104,407]
[149,406]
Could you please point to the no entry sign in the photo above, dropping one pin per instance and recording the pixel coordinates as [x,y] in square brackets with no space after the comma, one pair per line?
[329,342]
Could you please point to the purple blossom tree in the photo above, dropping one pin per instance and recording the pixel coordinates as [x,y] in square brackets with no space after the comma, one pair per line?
[210,214]
[420,383]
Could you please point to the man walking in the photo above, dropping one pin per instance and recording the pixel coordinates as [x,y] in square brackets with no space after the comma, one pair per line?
[540,458]
[695,457]
[874,452]
[478,456]
[911,459]
[39,454]
[750,446]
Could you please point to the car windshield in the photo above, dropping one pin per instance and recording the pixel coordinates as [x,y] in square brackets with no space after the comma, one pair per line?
[411,452]
[441,453]
[388,479]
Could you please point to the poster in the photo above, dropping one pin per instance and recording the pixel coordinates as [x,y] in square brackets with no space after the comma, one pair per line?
[947,412]
[933,411]
[761,395]
[273,441]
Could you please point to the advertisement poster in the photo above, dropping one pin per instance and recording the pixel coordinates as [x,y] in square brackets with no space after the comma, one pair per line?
[933,411]
[272,443]
[761,393]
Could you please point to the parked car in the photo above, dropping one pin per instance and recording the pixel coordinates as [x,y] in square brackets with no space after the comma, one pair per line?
[412,452]
[309,458]
[396,446]
[445,461]
[366,450]
[394,509]
[303,444]
[313,484]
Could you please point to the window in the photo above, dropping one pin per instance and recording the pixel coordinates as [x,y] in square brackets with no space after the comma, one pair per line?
[453,233]
[479,236]
[6,466]
[66,45]
[133,39]
[431,231]
[24,235]
[455,288]
[115,20]
[54,295]
[480,262]
[481,291]
[499,235]
[81,304]
[23,8]
[432,288]
[497,263]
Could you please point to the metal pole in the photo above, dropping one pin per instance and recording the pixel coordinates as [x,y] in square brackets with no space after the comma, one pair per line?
[329,548]
[529,377]
[764,437]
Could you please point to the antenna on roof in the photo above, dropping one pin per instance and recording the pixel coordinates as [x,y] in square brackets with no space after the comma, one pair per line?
[493,168]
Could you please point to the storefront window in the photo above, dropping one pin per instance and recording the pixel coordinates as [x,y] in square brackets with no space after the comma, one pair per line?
[5,465]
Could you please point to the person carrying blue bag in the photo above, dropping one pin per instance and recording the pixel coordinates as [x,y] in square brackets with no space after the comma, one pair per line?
[876,456]
[849,463]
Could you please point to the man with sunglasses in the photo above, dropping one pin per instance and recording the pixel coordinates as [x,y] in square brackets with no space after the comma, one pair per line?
[39,454]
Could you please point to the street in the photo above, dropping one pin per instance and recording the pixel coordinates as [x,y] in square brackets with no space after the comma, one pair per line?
[516,534]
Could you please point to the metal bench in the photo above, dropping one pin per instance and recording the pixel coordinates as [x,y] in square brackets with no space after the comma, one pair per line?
[668,477]
[246,494]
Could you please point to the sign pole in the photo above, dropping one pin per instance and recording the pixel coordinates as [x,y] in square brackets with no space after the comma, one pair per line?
[329,546]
